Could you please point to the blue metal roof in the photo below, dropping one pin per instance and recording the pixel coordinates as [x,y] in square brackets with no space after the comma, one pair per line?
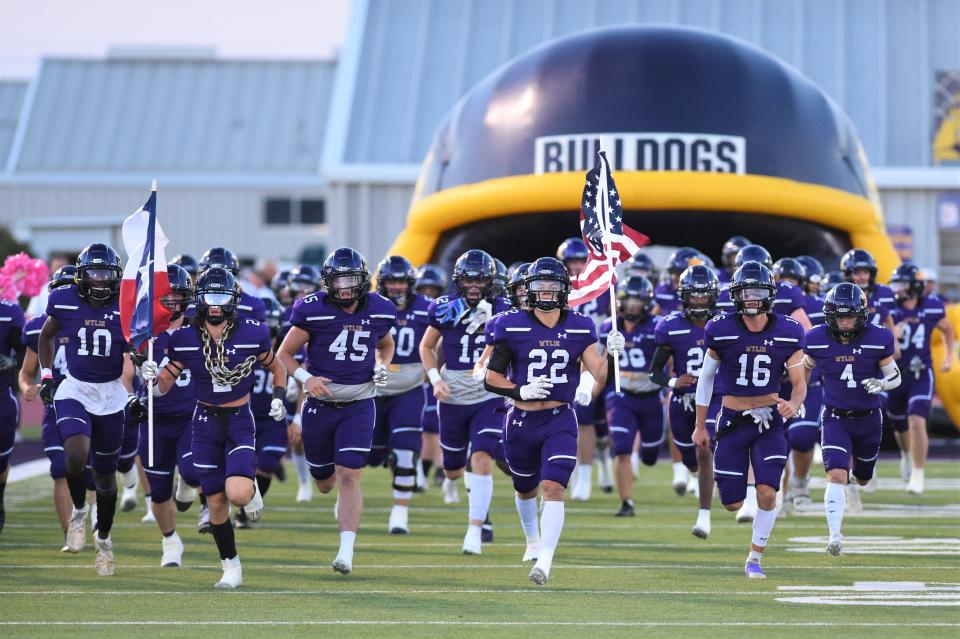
[177,116]
[11,100]
[876,58]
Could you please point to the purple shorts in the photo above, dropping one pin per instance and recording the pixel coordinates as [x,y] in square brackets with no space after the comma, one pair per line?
[171,449]
[337,435]
[271,443]
[626,414]
[479,426]
[851,435]
[911,397]
[594,414]
[802,434]
[540,445]
[428,419]
[683,419]
[223,445]
[741,444]
[9,420]
[52,444]
[397,425]
[105,432]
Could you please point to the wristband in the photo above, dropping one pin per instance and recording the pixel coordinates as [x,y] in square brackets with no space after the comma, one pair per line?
[434,375]
[279,392]
[297,419]
[45,373]
[672,383]
[301,375]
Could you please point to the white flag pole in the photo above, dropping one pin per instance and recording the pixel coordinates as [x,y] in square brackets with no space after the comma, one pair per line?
[150,408]
[603,200]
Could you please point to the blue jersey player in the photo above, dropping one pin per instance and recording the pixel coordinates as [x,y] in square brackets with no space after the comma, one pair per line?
[536,363]
[855,360]
[747,354]
[350,346]
[680,338]
[90,402]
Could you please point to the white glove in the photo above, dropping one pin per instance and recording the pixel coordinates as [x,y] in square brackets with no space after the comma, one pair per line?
[481,313]
[584,394]
[872,385]
[277,410]
[535,389]
[801,412]
[380,375]
[615,342]
[293,389]
[149,371]
[762,417]
[480,370]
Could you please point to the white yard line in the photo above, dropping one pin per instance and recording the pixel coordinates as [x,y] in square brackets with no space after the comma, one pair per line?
[439,622]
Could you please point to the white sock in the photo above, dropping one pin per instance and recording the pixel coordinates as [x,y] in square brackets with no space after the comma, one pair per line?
[763,525]
[347,537]
[834,503]
[751,496]
[917,473]
[551,524]
[467,478]
[300,464]
[679,470]
[754,556]
[129,479]
[586,473]
[703,515]
[481,492]
[147,501]
[527,508]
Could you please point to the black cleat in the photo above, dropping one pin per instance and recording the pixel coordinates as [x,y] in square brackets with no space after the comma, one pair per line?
[241,520]
[486,531]
[280,473]
[607,489]
[183,506]
[626,509]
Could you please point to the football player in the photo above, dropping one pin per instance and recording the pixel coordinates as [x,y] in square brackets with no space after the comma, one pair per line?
[12,351]
[250,305]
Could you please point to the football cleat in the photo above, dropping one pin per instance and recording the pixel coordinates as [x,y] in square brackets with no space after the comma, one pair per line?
[753,570]
[450,494]
[128,500]
[873,484]
[538,576]
[185,495]
[693,486]
[304,492]
[148,518]
[486,531]
[701,529]
[532,553]
[172,551]
[203,523]
[854,505]
[472,543]
[747,512]
[65,547]
[241,520]
[680,481]
[232,574]
[254,508]
[104,563]
[77,529]
[342,565]
[835,547]
[398,524]
[626,509]
[915,485]
[905,466]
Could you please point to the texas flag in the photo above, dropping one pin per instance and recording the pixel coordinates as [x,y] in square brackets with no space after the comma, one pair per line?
[145,279]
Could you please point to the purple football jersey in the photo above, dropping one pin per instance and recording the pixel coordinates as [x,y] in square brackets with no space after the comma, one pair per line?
[640,344]
[31,337]
[666,297]
[550,353]
[96,346]
[685,340]
[180,399]
[752,364]
[451,316]
[880,304]
[813,306]
[412,323]
[251,307]
[789,298]
[843,366]
[917,326]
[11,322]
[342,345]
[724,303]
[261,395]
[248,338]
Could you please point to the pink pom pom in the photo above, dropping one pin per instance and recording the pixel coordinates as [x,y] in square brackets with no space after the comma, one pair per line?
[28,275]
[8,290]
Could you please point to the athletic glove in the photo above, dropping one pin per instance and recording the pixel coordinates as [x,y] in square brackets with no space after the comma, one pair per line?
[615,342]
[277,410]
[535,389]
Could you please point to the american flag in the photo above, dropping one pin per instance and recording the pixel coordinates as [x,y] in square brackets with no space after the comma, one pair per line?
[601,202]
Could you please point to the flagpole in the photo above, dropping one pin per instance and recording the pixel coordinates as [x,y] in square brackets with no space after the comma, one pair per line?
[150,407]
[604,201]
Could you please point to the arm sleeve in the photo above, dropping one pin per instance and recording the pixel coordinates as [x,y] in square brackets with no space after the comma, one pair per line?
[500,358]
[657,373]
[705,382]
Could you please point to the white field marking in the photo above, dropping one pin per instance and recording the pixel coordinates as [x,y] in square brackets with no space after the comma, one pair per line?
[500,591]
[895,484]
[733,567]
[887,511]
[915,546]
[878,593]
[437,622]
[28,470]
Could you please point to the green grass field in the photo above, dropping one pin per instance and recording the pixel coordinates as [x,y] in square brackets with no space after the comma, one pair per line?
[646,576]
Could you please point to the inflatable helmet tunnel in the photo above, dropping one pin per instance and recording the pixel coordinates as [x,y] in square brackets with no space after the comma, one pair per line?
[708,137]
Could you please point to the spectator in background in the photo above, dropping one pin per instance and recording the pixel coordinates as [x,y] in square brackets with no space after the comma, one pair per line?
[931,285]
[38,303]
[256,280]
